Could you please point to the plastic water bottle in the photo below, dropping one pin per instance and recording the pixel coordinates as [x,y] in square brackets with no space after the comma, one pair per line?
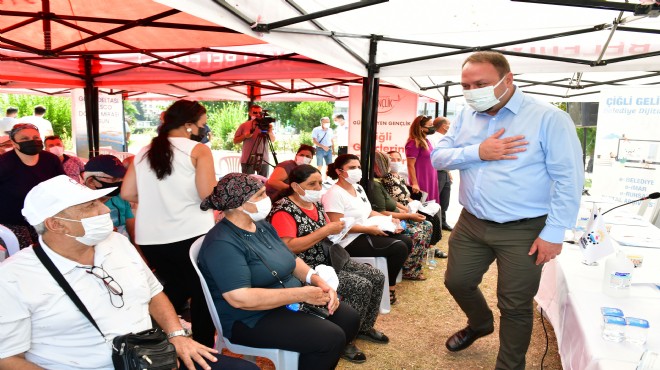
[618,276]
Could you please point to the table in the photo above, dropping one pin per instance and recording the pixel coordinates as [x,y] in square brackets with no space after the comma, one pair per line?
[570,295]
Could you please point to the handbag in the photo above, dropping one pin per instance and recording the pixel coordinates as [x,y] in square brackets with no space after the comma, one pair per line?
[335,253]
[147,349]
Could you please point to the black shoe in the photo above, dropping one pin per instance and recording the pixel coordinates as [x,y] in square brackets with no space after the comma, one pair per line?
[353,354]
[375,336]
[445,226]
[440,254]
[462,339]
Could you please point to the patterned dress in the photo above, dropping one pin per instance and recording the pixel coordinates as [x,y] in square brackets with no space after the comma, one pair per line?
[360,285]
[396,187]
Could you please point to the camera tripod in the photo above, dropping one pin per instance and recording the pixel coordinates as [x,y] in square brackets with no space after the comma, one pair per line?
[256,158]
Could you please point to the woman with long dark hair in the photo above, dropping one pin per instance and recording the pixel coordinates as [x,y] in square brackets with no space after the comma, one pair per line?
[302,225]
[421,174]
[169,179]
[346,198]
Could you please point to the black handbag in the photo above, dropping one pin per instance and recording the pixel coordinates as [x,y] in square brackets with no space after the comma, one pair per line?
[336,253]
[147,349]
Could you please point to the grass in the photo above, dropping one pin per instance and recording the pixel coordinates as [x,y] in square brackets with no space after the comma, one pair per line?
[425,315]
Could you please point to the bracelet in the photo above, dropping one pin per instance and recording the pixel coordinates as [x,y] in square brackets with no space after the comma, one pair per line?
[311,272]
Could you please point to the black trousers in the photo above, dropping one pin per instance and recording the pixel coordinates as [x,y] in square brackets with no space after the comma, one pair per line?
[320,342]
[342,150]
[444,187]
[180,283]
[249,169]
[395,248]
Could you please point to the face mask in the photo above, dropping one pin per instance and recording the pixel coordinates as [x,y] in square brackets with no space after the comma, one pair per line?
[57,150]
[105,185]
[31,147]
[325,125]
[201,134]
[263,209]
[395,166]
[354,176]
[430,130]
[312,196]
[97,229]
[302,160]
[484,98]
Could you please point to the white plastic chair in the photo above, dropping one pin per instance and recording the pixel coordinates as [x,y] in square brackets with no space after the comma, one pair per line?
[229,164]
[381,264]
[283,360]
[10,240]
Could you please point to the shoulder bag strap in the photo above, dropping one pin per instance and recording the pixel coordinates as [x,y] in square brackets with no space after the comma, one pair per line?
[57,275]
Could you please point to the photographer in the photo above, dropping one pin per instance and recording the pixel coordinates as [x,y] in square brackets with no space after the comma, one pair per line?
[248,133]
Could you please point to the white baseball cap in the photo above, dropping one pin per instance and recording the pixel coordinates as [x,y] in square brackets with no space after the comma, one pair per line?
[52,196]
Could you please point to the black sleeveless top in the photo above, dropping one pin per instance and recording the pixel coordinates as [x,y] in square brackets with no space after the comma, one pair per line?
[314,256]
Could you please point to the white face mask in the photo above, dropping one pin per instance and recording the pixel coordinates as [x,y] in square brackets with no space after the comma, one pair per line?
[395,166]
[312,196]
[263,209]
[57,150]
[484,98]
[302,160]
[354,176]
[97,229]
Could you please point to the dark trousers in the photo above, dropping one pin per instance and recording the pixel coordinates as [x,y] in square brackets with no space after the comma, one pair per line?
[250,169]
[225,363]
[180,282]
[395,248]
[342,150]
[320,342]
[444,187]
[473,246]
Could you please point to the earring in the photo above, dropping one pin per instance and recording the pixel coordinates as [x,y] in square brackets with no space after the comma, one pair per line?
[188,129]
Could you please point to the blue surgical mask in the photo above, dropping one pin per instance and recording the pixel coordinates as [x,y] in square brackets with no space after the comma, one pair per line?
[484,98]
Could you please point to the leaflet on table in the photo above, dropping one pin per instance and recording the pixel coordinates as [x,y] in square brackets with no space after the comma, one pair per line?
[348,223]
[626,219]
[636,236]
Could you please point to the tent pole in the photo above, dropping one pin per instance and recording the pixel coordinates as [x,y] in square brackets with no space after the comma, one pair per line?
[91,109]
[369,115]
[446,101]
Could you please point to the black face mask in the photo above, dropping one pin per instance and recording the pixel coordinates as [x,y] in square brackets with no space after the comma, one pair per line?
[31,147]
[430,130]
[105,185]
[201,134]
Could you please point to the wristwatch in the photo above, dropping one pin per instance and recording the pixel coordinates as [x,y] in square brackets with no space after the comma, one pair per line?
[180,333]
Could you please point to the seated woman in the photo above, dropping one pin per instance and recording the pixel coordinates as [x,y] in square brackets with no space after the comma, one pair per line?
[301,223]
[278,182]
[252,276]
[347,198]
[396,187]
[417,228]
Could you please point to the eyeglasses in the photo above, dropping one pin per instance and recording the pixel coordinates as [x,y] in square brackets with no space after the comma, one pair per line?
[114,289]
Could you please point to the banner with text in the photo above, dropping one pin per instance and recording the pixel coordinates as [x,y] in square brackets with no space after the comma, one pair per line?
[111,122]
[396,110]
[627,152]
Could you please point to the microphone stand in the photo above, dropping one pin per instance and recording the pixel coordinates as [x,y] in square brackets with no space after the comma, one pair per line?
[655,195]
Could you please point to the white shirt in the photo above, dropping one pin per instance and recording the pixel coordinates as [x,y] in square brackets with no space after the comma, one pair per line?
[338,200]
[169,208]
[44,125]
[6,124]
[38,318]
[342,135]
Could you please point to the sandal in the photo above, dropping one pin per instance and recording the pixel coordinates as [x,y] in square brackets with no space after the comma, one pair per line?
[375,336]
[353,354]
[392,296]
[440,254]
[419,277]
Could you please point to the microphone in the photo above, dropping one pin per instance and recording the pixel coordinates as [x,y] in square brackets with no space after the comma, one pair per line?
[655,195]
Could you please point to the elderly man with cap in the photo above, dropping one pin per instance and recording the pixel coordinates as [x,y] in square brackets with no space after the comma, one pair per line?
[40,326]
[107,171]
[254,279]
[20,170]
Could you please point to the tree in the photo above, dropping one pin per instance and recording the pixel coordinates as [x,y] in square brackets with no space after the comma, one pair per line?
[307,115]
[224,119]
[58,110]
[282,111]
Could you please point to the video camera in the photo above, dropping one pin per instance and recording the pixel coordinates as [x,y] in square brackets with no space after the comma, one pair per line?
[263,122]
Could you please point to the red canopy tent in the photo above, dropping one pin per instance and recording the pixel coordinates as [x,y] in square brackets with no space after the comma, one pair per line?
[141,46]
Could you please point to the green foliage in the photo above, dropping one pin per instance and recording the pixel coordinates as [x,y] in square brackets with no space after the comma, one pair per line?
[305,138]
[224,119]
[307,115]
[590,136]
[282,111]
[130,113]
[58,110]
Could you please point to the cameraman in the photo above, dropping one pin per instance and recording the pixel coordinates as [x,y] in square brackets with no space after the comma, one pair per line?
[248,133]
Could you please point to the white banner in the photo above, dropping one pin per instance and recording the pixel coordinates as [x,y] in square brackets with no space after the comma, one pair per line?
[396,110]
[111,122]
[627,153]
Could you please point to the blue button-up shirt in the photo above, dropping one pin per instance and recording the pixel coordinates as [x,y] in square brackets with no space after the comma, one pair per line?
[547,178]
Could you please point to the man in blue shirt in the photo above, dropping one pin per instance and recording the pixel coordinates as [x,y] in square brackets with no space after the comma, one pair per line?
[324,139]
[521,181]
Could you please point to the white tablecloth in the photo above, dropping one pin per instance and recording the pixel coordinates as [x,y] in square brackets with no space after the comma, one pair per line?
[571,296]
